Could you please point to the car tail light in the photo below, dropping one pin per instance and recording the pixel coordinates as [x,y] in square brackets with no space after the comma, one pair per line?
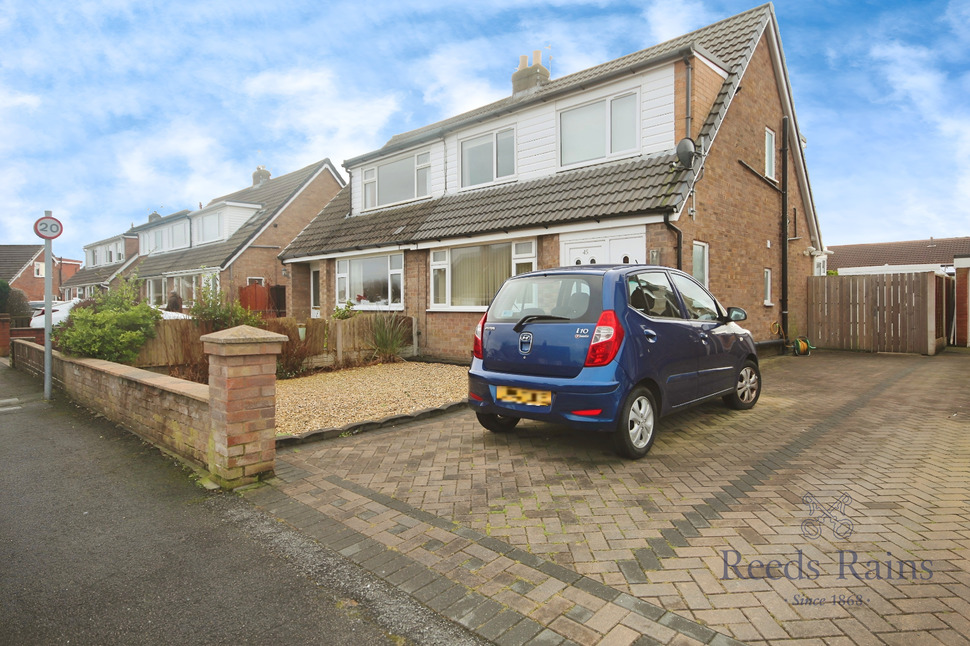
[477,348]
[607,338]
[592,412]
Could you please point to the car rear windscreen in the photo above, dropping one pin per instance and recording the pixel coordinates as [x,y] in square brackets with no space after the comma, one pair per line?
[565,297]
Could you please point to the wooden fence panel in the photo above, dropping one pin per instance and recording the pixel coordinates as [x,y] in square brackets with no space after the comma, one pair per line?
[872,312]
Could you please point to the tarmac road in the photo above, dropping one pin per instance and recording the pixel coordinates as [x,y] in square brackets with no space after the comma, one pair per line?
[104,540]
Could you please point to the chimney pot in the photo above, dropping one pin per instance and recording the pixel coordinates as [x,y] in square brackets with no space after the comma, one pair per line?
[529,78]
[537,57]
[523,62]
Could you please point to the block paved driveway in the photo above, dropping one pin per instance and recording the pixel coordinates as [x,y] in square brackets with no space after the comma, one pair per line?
[546,536]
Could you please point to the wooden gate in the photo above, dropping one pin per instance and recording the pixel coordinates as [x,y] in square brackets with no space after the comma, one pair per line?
[875,313]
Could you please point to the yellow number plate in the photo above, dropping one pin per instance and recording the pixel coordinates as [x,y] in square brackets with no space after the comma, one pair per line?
[523,396]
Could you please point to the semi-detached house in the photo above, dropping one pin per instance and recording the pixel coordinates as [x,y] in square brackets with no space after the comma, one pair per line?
[576,170]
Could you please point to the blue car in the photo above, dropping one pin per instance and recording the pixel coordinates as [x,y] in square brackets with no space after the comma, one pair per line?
[609,348]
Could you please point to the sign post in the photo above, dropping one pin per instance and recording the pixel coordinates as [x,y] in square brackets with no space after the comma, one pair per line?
[48,228]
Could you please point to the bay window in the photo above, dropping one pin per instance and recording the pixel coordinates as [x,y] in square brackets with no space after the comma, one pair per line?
[470,276]
[599,130]
[400,180]
[487,158]
[371,282]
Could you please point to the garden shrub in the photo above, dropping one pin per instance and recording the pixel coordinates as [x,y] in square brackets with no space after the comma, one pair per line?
[113,326]
[4,295]
[389,335]
[18,306]
[213,306]
[345,311]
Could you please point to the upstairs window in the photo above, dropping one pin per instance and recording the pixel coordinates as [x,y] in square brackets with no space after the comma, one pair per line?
[598,130]
[400,180]
[769,153]
[487,158]
[38,270]
[208,228]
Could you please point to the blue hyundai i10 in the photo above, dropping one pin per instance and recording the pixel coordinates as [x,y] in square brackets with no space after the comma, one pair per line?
[609,348]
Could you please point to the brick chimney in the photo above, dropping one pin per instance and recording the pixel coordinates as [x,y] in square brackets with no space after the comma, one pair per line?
[529,77]
[260,175]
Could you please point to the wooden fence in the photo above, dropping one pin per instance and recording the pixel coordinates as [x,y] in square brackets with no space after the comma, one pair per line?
[875,313]
[326,342]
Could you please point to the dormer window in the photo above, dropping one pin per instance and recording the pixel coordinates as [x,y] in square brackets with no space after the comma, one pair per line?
[599,130]
[487,158]
[403,179]
[208,228]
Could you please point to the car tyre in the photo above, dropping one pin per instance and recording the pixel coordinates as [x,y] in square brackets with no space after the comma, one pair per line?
[497,423]
[637,426]
[747,388]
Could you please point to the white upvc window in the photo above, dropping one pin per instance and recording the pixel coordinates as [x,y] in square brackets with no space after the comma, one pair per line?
[371,282]
[487,158]
[208,228]
[769,153]
[469,277]
[155,288]
[768,287]
[402,179]
[700,267]
[38,270]
[603,129]
[255,280]
[315,289]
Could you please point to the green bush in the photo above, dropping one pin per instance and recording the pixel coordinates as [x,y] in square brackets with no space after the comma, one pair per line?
[344,311]
[114,326]
[213,306]
[4,295]
[17,304]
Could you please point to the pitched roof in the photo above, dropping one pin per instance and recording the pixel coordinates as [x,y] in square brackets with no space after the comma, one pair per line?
[728,43]
[935,251]
[636,187]
[96,275]
[271,195]
[631,187]
[13,258]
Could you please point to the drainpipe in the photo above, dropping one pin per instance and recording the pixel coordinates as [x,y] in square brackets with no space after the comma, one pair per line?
[687,79]
[680,239]
[784,226]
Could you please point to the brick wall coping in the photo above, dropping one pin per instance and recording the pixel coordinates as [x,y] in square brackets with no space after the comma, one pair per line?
[189,389]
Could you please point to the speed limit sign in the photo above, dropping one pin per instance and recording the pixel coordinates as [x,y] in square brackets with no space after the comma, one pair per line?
[48,227]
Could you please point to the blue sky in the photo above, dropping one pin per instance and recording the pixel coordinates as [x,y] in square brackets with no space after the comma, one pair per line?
[110,109]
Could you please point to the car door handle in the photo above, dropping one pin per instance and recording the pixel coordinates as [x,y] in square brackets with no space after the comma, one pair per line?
[650,335]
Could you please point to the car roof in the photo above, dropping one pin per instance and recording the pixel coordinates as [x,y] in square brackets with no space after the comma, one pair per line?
[595,270]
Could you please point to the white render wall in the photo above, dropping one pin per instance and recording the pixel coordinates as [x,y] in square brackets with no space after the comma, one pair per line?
[536,134]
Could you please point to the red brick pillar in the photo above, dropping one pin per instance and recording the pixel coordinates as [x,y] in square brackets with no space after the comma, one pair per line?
[242,404]
[4,335]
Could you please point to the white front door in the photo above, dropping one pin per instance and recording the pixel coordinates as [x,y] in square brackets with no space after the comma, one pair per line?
[622,245]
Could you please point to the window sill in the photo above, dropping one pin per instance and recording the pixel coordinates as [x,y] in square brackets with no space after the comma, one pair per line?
[478,309]
[769,304]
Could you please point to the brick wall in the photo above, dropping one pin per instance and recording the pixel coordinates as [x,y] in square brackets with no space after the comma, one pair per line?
[168,412]
[738,215]
[4,335]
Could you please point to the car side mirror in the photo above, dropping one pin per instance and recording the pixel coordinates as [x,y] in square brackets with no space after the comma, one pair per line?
[736,314]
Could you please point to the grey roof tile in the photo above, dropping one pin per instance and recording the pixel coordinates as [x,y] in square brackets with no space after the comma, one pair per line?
[271,195]
[13,257]
[935,251]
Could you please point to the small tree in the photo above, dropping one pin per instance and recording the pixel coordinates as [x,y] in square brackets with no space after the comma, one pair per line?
[4,295]
[114,326]
[17,304]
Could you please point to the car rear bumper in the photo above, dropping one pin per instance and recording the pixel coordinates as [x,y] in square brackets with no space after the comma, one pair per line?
[589,401]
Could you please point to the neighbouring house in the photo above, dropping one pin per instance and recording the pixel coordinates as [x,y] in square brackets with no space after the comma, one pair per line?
[948,257]
[935,254]
[104,264]
[23,267]
[582,169]
[234,239]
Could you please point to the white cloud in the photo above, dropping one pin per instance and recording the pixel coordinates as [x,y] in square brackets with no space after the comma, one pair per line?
[671,18]
[453,77]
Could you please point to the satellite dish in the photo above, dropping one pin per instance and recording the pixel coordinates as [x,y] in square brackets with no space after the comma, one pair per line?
[686,151]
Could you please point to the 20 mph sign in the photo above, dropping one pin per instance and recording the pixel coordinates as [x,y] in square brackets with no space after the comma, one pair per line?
[48,227]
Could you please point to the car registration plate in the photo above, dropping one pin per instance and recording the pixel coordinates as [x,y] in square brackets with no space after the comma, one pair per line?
[524,396]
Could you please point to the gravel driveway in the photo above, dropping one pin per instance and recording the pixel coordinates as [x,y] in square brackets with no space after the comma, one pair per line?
[335,399]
